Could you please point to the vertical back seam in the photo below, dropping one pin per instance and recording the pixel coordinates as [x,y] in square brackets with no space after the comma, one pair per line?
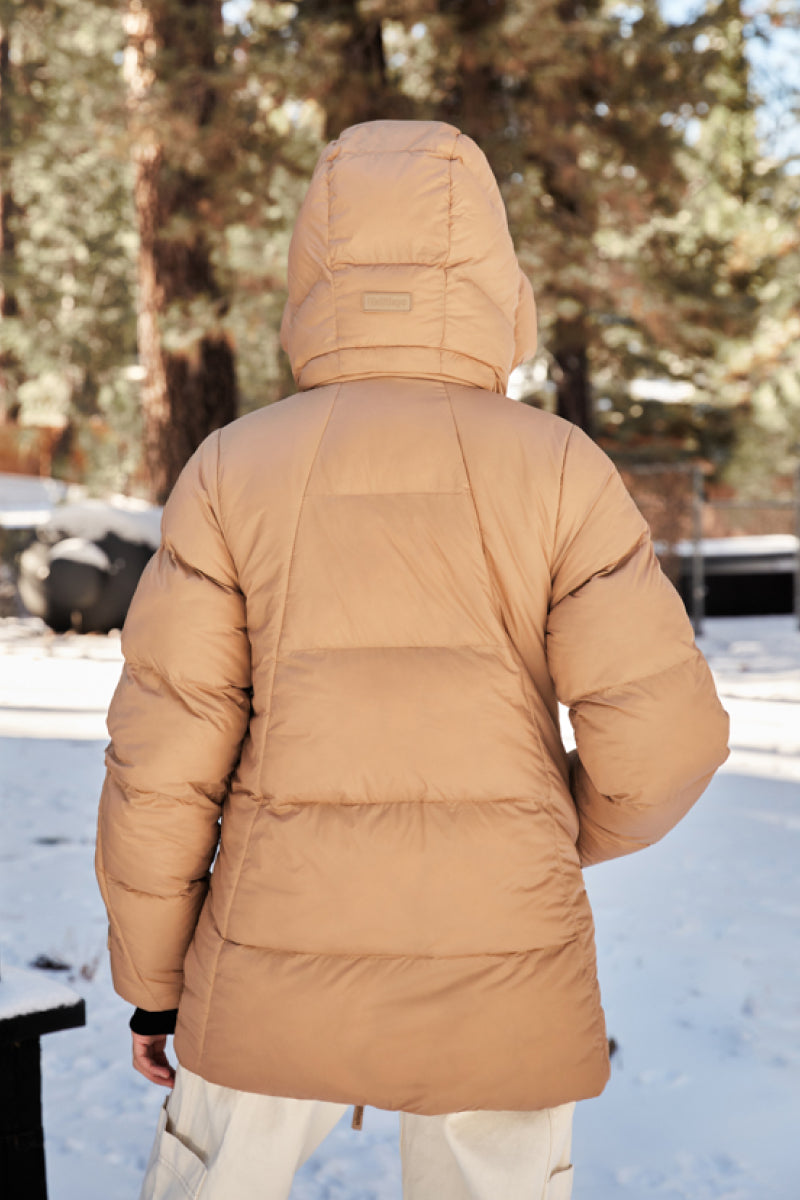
[543,755]
[557,521]
[223,922]
[449,252]
[332,273]
[268,705]
[457,431]
[290,564]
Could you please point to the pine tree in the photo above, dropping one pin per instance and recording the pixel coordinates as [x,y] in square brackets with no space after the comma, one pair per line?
[8,304]
[659,237]
[758,368]
[568,99]
[342,63]
[73,335]
[10,367]
[76,226]
[707,269]
[582,111]
[189,386]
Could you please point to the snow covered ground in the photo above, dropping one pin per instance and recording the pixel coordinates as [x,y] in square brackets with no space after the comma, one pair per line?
[698,937]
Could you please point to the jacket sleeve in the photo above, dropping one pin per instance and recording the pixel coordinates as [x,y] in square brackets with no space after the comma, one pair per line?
[649,728]
[176,721]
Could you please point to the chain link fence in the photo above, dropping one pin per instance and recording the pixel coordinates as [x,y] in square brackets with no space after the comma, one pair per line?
[683,512]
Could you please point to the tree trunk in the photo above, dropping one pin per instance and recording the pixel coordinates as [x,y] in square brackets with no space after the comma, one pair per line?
[10,368]
[476,101]
[363,74]
[189,386]
[348,44]
[8,304]
[573,385]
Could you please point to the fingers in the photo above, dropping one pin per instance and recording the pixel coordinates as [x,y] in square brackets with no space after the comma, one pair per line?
[150,1060]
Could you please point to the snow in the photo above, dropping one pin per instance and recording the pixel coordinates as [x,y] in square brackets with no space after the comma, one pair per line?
[131,519]
[763,545]
[24,992]
[55,686]
[28,502]
[698,950]
[78,550]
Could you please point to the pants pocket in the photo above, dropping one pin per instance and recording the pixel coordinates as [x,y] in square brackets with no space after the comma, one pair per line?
[559,1185]
[174,1171]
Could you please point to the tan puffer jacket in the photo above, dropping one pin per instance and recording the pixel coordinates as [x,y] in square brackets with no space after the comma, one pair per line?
[350,645]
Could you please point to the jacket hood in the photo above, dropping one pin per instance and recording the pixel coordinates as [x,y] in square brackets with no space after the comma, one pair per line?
[401,263]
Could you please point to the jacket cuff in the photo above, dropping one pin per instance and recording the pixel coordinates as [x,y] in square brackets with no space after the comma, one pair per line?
[148,1023]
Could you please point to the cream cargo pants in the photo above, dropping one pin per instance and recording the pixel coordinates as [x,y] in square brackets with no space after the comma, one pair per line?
[214,1143]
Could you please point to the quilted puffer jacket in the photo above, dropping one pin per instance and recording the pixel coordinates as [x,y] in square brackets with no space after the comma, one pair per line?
[341,673]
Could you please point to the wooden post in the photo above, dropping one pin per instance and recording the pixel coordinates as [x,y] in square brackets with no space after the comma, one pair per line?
[30,1006]
[22,1169]
[797,547]
[698,573]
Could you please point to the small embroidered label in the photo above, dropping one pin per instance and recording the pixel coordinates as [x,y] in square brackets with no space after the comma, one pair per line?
[386,301]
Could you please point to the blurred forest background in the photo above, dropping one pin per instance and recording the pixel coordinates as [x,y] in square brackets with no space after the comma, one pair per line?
[153,155]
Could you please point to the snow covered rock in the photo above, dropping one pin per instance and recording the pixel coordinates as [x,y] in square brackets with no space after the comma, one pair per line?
[83,567]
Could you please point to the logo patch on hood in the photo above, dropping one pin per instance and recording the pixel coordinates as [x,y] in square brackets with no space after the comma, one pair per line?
[386,301]
[405,219]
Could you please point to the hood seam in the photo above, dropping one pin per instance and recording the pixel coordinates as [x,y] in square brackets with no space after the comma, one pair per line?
[471,290]
[442,373]
[329,269]
[449,252]
[384,153]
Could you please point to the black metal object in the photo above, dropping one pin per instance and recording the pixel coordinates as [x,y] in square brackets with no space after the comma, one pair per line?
[736,575]
[744,581]
[796,593]
[81,583]
[697,606]
[22,1160]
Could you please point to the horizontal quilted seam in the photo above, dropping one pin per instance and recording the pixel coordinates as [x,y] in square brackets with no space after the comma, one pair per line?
[343,264]
[636,681]
[175,682]
[533,806]
[641,542]
[456,646]
[131,792]
[395,346]
[190,569]
[607,568]
[447,266]
[189,890]
[341,268]
[556,563]
[471,364]
[361,954]
[409,492]
[381,153]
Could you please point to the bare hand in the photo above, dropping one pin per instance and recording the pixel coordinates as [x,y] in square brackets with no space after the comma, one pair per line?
[150,1060]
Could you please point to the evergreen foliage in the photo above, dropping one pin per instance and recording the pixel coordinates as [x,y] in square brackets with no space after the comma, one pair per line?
[73,336]
[659,230]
